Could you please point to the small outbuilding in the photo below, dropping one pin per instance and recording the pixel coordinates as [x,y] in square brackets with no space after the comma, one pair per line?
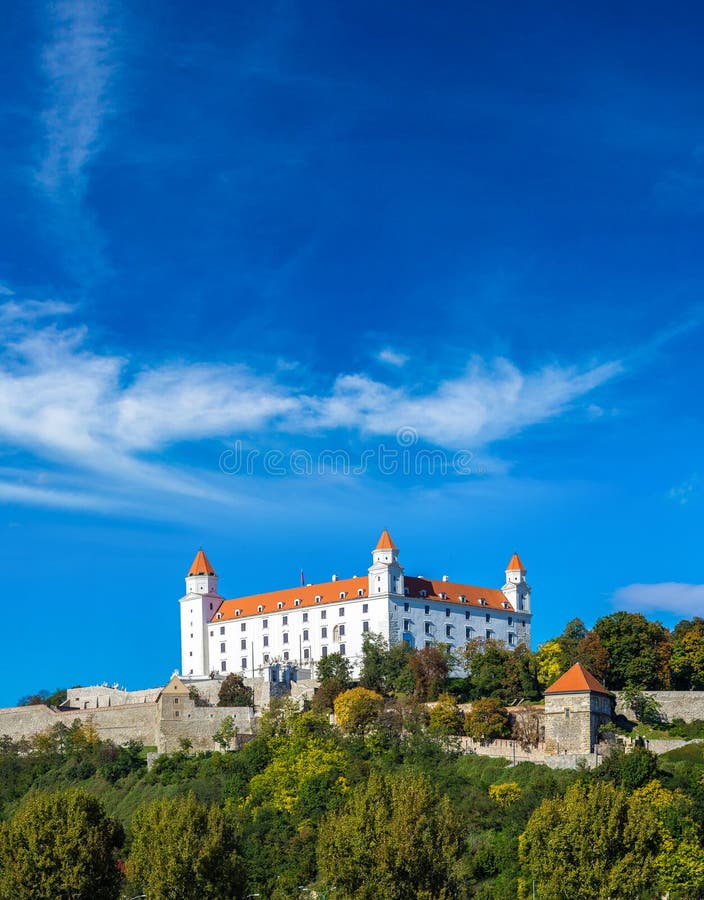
[575,706]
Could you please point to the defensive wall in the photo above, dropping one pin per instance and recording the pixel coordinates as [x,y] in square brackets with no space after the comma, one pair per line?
[687,705]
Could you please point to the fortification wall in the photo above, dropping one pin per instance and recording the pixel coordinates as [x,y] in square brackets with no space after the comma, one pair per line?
[687,705]
[120,724]
[199,726]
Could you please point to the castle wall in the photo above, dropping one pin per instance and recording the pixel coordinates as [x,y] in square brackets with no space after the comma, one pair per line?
[687,705]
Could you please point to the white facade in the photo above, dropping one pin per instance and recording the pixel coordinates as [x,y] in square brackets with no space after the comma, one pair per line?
[301,625]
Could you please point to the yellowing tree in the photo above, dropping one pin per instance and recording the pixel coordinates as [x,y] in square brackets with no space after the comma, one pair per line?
[551,663]
[446,717]
[506,794]
[357,709]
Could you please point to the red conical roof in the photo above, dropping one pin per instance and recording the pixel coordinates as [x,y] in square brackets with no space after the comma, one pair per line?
[201,565]
[385,542]
[575,680]
[515,563]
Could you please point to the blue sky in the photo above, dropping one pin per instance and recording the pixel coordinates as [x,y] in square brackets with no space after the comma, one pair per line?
[300,228]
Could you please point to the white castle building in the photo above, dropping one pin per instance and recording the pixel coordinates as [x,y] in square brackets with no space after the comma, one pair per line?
[301,625]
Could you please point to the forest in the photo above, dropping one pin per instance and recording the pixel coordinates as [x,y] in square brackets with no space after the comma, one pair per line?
[380,804]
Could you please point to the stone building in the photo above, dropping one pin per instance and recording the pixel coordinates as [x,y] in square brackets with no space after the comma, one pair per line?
[575,706]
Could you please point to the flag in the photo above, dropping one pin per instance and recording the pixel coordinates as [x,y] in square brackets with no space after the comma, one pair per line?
[303,580]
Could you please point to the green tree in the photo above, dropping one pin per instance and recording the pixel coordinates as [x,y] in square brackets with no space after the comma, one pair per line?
[385,670]
[396,838]
[574,632]
[334,667]
[60,846]
[429,667]
[183,850]
[357,710]
[592,654]
[645,707]
[234,692]
[226,733]
[446,717]
[639,651]
[487,720]
[687,660]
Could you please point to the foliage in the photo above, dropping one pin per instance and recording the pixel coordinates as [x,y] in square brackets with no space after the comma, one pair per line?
[195,695]
[639,651]
[357,710]
[60,845]
[44,698]
[183,850]
[505,794]
[446,717]
[429,667]
[487,720]
[645,708]
[385,670]
[551,662]
[396,838]
[226,733]
[334,667]
[687,660]
[629,770]
[234,692]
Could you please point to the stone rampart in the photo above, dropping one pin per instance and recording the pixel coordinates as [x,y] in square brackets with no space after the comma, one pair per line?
[687,705]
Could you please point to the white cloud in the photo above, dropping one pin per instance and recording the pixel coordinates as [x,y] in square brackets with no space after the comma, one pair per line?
[392,357]
[668,596]
[683,493]
[78,64]
[89,413]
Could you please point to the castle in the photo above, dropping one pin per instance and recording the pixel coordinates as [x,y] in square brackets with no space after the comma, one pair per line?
[301,625]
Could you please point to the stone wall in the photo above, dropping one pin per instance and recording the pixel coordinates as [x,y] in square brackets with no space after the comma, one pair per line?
[514,753]
[687,705]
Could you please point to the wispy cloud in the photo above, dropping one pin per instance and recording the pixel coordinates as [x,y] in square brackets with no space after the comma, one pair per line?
[683,493]
[392,357]
[78,64]
[668,596]
[78,408]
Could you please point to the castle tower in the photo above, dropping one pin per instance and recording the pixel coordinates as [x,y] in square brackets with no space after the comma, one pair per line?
[385,573]
[198,606]
[575,706]
[516,590]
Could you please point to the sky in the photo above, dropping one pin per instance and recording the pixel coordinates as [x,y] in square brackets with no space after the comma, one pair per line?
[276,276]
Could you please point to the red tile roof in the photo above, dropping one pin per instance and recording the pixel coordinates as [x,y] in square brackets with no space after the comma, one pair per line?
[201,565]
[329,592]
[515,563]
[575,680]
[385,542]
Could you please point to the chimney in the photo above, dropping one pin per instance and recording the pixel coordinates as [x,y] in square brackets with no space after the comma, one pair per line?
[334,577]
[445,578]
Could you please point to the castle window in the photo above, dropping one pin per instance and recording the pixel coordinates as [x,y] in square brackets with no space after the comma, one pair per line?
[266,657]
[305,634]
[481,601]
[342,649]
[177,714]
[175,700]
[222,648]
[423,593]
[323,651]
[284,620]
[488,617]
[360,592]
[212,633]
[505,604]
[342,610]
[406,624]
[318,598]
[280,605]
[265,623]
[243,644]
[567,712]
[448,631]
[447,613]
[443,595]
[191,634]
[190,653]
[463,598]
[365,607]
[427,610]
[428,643]
[211,607]
[260,608]
[468,634]
[223,665]
[427,628]
[365,626]
[266,640]
[222,629]
[297,601]
[406,592]
[218,616]
[466,615]
[305,617]
[244,662]
[324,614]
[237,612]
[338,632]
[510,620]
[343,595]
[406,607]
[512,639]
[286,655]
[306,653]
[285,637]
[489,634]
[243,626]
[324,632]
